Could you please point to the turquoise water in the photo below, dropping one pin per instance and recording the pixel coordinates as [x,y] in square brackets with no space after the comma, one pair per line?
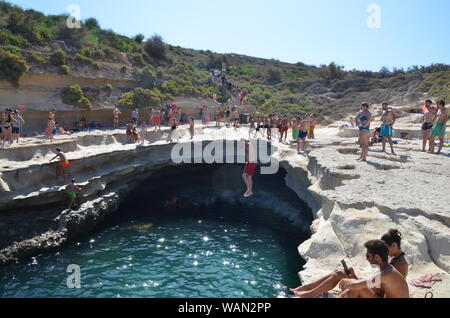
[215,250]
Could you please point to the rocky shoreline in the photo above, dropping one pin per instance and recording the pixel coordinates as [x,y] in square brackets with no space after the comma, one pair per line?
[351,202]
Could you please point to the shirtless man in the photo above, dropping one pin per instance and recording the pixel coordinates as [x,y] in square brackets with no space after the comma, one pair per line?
[392,282]
[218,117]
[439,128]
[116,113]
[284,128]
[302,134]
[388,119]
[428,118]
[73,190]
[63,164]
[51,130]
[313,122]
[250,167]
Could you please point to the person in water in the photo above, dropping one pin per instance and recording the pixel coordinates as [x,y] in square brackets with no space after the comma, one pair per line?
[392,284]
[63,164]
[393,240]
[363,119]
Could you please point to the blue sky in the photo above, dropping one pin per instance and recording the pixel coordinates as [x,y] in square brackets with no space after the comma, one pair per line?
[413,32]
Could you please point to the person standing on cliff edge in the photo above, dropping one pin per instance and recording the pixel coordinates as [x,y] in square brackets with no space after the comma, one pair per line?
[63,164]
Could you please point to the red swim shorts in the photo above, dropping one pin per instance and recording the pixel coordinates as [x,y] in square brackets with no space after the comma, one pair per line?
[156,120]
[65,164]
[250,168]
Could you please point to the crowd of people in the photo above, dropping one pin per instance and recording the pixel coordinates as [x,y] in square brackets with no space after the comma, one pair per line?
[277,127]
[11,123]
[434,120]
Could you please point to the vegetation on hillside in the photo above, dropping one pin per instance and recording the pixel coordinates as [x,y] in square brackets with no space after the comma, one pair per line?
[163,71]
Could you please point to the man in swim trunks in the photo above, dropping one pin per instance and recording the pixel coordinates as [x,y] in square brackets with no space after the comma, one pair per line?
[302,133]
[388,119]
[63,164]
[439,128]
[250,167]
[284,128]
[51,130]
[428,118]
[392,284]
[73,191]
[116,113]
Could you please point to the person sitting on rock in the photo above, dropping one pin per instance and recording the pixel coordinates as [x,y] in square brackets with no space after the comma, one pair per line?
[387,283]
[393,240]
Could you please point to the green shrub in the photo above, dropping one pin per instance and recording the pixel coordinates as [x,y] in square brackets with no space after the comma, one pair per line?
[86,52]
[85,103]
[73,95]
[38,59]
[86,61]
[108,88]
[273,75]
[12,67]
[155,47]
[8,38]
[139,38]
[58,57]
[147,78]
[30,25]
[91,23]
[99,55]
[63,70]
[141,97]
[12,49]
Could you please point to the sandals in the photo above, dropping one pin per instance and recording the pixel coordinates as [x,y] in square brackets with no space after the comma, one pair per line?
[426,281]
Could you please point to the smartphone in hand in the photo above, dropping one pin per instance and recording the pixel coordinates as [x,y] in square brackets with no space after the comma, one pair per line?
[344,264]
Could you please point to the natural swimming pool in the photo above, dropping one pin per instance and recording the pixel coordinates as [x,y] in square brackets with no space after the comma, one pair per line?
[217,245]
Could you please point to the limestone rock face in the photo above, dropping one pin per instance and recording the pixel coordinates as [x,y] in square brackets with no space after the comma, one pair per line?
[351,202]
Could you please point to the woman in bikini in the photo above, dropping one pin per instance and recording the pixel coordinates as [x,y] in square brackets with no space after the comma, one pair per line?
[7,128]
[393,240]
[363,119]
